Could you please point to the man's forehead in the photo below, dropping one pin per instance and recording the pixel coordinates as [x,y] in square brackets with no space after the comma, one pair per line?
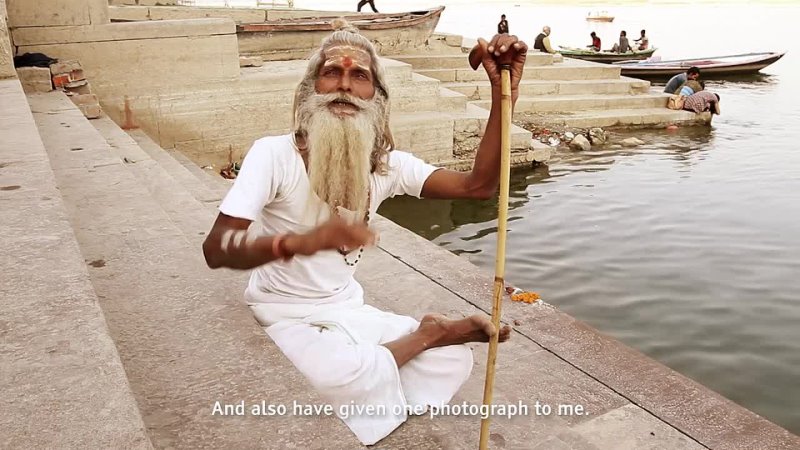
[347,56]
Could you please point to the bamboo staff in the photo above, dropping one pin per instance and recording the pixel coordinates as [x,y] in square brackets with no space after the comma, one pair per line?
[502,222]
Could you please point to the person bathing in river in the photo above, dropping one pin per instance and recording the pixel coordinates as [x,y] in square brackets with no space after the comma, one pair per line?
[702,101]
[298,216]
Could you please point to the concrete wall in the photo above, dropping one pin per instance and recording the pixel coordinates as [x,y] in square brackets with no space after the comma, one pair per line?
[42,13]
[6,50]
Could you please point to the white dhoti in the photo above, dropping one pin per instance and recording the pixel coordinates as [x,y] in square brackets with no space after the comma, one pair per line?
[338,349]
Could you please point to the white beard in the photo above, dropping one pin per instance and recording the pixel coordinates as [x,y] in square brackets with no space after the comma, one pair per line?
[339,152]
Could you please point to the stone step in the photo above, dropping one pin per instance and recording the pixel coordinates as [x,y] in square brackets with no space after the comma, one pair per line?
[651,117]
[426,134]
[460,61]
[481,90]
[64,384]
[195,187]
[211,178]
[553,72]
[474,118]
[421,93]
[186,212]
[183,336]
[570,103]
[278,73]
[451,101]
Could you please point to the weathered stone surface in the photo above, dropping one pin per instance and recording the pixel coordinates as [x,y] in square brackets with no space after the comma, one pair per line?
[63,385]
[454,40]
[6,55]
[541,155]
[597,136]
[91,111]
[250,61]
[78,87]
[630,427]
[580,143]
[27,13]
[84,99]
[35,79]
[65,66]
[632,142]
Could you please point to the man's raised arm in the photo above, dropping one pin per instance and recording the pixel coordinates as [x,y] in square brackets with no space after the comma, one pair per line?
[481,182]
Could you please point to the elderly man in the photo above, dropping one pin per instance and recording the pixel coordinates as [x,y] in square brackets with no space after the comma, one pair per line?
[542,42]
[310,195]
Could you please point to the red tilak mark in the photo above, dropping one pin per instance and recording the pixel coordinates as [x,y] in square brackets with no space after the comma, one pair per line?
[347,61]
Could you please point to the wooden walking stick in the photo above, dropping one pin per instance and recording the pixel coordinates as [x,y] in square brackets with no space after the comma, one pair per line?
[475,58]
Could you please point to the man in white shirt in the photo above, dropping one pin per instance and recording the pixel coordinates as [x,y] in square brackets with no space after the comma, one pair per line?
[309,196]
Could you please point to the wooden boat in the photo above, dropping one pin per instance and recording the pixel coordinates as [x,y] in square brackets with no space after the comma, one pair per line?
[285,39]
[606,56]
[602,16]
[747,63]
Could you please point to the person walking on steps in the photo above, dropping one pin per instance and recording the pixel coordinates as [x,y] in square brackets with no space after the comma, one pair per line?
[364,2]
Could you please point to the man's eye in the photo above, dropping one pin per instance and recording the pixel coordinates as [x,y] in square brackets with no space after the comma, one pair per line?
[362,76]
[328,72]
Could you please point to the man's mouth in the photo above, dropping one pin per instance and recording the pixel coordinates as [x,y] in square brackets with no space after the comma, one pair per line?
[342,107]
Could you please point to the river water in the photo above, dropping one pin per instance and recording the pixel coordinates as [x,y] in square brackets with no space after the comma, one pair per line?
[687,248]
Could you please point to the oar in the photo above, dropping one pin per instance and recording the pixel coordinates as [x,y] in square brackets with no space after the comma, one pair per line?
[475,58]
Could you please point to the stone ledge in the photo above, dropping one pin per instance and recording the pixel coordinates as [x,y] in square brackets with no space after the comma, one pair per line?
[122,31]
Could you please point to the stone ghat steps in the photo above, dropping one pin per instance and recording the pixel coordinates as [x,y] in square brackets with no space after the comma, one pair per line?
[481,90]
[579,103]
[63,383]
[292,71]
[408,91]
[645,117]
[569,70]
[183,336]
[460,61]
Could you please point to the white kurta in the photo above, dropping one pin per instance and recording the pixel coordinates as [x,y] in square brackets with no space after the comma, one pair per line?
[313,308]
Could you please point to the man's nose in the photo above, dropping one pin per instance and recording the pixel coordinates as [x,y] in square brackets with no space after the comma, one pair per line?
[344,83]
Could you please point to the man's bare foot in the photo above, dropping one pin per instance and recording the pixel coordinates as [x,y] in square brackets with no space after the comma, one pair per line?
[444,331]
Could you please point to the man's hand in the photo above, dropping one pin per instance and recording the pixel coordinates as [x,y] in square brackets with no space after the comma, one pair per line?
[503,49]
[331,235]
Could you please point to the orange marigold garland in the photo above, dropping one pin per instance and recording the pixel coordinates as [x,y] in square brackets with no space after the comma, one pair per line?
[518,295]
[527,297]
